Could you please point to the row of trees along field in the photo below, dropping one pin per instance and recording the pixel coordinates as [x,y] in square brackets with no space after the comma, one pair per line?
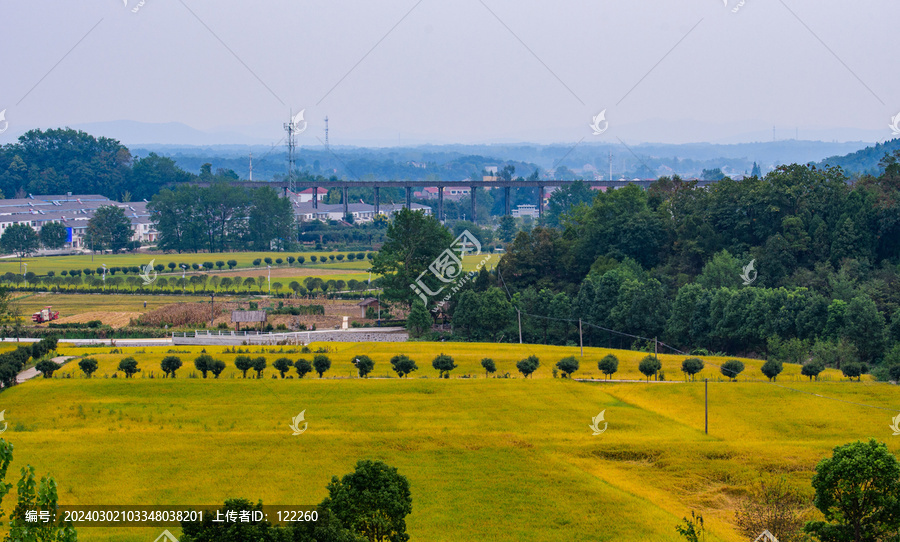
[667,263]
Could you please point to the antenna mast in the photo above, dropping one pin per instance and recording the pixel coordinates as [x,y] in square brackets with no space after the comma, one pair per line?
[251,166]
[291,144]
[326,132]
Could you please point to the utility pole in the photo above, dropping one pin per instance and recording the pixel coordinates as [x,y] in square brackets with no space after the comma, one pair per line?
[520,325]
[212,308]
[580,338]
[706,406]
[656,347]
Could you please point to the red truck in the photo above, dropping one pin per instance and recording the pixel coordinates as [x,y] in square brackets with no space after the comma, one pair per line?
[44,315]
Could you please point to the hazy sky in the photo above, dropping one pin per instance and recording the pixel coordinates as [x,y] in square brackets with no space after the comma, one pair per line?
[462,71]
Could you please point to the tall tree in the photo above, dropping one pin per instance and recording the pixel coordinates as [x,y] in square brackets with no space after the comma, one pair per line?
[53,235]
[414,241]
[20,239]
[109,229]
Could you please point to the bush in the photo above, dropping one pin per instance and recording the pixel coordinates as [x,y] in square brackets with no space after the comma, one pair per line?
[283,365]
[528,365]
[772,368]
[732,368]
[489,366]
[852,370]
[692,366]
[608,365]
[364,365]
[650,366]
[812,369]
[444,364]
[567,366]
[303,367]
[321,363]
[403,365]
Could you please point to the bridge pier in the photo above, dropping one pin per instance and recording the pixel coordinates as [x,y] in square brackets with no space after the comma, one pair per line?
[408,197]
[377,206]
[345,196]
[506,198]
[540,201]
[474,214]
[440,216]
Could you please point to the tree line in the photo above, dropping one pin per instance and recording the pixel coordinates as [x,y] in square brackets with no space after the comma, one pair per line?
[673,263]
[222,218]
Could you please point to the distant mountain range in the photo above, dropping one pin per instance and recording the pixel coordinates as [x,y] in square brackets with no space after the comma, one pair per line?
[588,159]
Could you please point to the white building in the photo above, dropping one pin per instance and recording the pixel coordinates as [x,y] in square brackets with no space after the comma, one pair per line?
[73,212]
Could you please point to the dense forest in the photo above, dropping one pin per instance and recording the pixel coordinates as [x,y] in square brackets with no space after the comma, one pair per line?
[672,263]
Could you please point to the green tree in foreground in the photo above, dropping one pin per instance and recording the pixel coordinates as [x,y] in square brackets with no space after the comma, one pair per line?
[608,365]
[567,366]
[489,366]
[402,365]
[88,366]
[853,370]
[216,367]
[259,365]
[204,363]
[812,369]
[32,496]
[692,529]
[321,363]
[732,368]
[303,367]
[169,365]
[772,368]
[528,365]
[373,501]
[243,364]
[858,492]
[283,365]
[364,365]
[129,366]
[692,366]
[47,368]
[444,364]
[650,366]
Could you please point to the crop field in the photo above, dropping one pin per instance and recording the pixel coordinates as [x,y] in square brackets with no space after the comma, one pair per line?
[487,458]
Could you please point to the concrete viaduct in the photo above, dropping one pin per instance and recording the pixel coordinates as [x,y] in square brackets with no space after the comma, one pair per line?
[409,186]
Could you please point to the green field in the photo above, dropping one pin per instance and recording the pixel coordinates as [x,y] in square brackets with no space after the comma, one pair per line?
[499,459]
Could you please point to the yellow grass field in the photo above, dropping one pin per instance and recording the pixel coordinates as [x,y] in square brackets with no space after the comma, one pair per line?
[487,459]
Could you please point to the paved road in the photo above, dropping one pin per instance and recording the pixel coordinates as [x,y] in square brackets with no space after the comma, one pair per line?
[28,374]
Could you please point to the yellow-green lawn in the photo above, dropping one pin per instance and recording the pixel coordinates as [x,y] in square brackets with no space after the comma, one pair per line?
[487,459]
